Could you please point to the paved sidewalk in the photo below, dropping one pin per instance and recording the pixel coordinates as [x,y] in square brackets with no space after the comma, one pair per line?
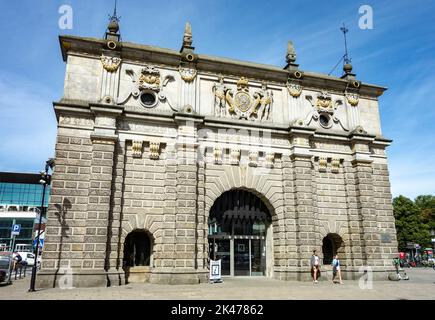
[420,286]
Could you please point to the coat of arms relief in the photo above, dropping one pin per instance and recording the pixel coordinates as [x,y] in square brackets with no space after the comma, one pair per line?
[240,103]
[148,86]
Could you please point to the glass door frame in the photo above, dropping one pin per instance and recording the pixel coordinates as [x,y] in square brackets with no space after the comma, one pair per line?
[232,255]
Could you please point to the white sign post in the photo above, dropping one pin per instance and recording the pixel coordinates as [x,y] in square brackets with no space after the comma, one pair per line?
[215,271]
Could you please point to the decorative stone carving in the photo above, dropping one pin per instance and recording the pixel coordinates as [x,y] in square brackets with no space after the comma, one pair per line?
[335,165]
[154,150]
[352,99]
[217,153]
[263,107]
[323,110]
[242,104]
[235,156]
[253,158]
[323,162]
[291,53]
[148,81]
[219,89]
[187,74]
[294,89]
[136,148]
[359,130]
[149,78]
[76,121]
[270,159]
[324,101]
[110,64]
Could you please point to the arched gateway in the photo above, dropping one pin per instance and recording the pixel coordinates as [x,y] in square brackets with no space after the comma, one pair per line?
[151,142]
[238,226]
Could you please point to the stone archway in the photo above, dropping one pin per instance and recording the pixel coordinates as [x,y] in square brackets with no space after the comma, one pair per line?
[240,234]
[137,256]
[332,244]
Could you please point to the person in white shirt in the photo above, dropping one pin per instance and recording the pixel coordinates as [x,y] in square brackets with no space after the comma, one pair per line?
[336,270]
[315,266]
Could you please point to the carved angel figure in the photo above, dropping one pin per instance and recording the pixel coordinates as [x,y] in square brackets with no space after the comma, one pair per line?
[219,90]
[262,104]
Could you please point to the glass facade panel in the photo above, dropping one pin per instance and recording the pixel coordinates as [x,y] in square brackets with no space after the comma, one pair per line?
[19,198]
[22,194]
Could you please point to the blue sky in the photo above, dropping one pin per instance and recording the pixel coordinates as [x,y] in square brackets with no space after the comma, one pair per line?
[399,52]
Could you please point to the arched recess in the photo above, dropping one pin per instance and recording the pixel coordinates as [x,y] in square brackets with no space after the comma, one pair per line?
[333,244]
[138,249]
[240,233]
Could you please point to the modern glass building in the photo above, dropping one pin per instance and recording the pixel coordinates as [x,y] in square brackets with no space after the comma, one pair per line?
[20,202]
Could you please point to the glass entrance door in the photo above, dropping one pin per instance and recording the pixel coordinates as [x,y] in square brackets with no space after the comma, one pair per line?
[220,249]
[242,264]
[258,257]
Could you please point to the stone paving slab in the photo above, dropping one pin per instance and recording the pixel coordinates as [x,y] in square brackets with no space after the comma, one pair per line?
[420,286]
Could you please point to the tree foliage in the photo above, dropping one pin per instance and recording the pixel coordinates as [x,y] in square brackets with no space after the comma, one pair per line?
[414,220]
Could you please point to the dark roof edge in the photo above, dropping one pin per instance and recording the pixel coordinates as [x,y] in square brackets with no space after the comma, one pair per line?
[20,177]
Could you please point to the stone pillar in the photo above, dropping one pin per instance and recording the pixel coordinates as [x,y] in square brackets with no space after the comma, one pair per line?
[114,249]
[164,253]
[290,272]
[66,216]
[363,171]
[187,266]
[384,206]
[188,90]
[355,245]
[352,114]
[303,200]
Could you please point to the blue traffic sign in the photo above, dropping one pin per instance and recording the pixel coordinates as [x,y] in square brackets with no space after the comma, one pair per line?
[16,228]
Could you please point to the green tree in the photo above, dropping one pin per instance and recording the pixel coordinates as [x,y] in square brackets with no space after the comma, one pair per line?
[426,204]
[410,221]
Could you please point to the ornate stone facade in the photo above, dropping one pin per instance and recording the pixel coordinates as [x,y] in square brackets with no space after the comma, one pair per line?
[177,131]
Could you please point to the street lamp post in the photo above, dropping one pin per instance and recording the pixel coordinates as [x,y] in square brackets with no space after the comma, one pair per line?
[45,179]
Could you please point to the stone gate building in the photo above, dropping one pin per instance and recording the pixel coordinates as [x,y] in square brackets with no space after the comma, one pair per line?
[166,159]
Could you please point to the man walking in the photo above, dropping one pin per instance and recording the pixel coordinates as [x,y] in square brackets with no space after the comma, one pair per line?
[315,266]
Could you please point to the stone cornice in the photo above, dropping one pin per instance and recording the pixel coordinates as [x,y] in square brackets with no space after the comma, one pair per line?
[89,109]
[144,53]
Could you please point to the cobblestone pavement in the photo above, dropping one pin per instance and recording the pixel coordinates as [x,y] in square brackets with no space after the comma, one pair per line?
[420,286]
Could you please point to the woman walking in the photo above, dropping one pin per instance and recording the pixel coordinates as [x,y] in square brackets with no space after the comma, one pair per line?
[336,269]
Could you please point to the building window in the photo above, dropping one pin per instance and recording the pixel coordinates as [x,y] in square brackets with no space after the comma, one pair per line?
[325,120]
[148,99]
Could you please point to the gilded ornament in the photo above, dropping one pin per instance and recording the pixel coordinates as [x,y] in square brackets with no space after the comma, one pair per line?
[217,153]
[149,78]
[352,98]
[324,101]
[235,156]
[154,150]
[136,148]
[322,164]
[335,165]
[110,64]
[294,89]
[253,158]
[187,74]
